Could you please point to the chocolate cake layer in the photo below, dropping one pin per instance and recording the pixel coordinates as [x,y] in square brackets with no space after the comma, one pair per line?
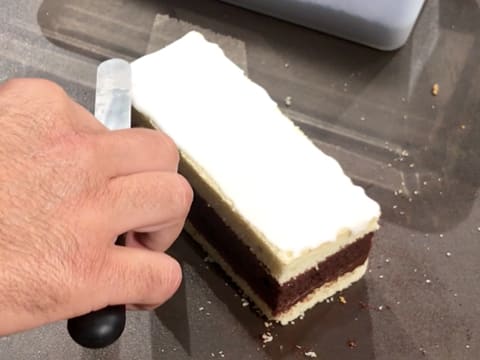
[279,297]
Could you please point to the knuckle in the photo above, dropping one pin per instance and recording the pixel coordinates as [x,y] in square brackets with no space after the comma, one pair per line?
[170,148]
[183,193]
[82,149]
[50,87]
[43,87]
[171,275]
[12,84]
[165,280]
[88,148]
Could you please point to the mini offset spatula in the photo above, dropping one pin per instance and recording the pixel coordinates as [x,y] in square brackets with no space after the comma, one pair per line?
[101,328]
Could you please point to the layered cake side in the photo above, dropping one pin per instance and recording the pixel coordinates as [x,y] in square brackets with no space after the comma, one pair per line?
[279,216]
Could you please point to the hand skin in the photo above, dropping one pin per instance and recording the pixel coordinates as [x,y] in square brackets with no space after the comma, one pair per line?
[68,188]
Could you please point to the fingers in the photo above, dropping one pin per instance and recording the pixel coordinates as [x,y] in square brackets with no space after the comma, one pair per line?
[140,277]
[130,151]
[145,200]
[156,240]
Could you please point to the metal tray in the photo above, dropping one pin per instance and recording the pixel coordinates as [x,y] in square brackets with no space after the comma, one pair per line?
[381,24]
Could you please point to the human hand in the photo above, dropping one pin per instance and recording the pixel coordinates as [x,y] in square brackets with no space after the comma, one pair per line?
[68,188]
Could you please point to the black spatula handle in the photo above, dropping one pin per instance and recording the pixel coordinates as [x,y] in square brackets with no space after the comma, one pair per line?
[101,328]
[98,329]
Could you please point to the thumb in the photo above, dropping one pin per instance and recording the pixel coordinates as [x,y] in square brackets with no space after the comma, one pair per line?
[139,276]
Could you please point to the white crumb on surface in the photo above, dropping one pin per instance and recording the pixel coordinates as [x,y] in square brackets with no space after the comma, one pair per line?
[311,354]
[288,101]
[267,337]
[245,302]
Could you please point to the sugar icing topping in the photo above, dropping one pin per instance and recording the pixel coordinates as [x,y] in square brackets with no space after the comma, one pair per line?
[275,177]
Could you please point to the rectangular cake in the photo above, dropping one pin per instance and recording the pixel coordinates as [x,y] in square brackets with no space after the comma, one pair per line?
[279,216]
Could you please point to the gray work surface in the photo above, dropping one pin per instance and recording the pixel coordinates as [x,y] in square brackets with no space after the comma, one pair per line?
[418,155]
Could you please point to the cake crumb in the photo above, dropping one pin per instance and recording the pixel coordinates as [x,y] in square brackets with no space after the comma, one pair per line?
[201,308]
[245,302]
[311,354]
[352,344]
[448,254]
[428,281]
[342,299]
[435,89]
[302,316]
[298,346]
[423,351]
[267,337]
[288,101]
[267,324]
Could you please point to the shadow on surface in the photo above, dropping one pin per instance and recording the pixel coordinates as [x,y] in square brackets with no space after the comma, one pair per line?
[174,315]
